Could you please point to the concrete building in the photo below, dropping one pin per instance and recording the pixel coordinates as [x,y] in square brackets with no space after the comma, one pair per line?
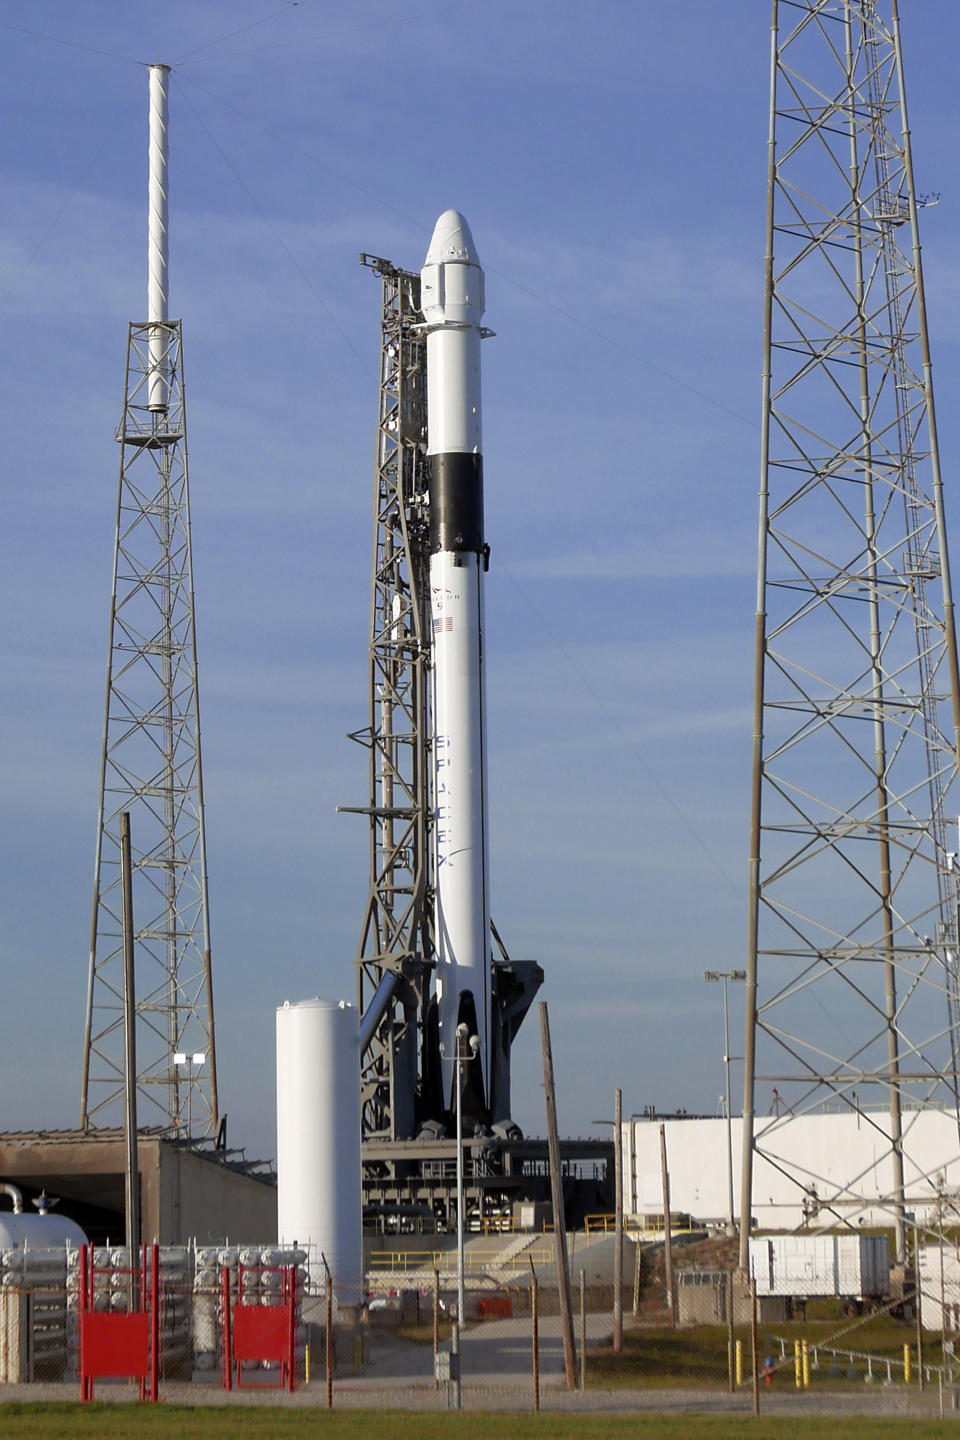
[185,1193]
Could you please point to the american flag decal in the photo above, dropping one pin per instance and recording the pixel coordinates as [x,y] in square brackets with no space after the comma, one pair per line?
[442,622]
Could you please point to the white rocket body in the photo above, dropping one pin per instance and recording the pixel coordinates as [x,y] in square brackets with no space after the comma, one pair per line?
[452,304]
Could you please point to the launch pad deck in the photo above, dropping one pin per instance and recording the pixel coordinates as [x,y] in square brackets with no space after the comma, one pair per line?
[497,1175]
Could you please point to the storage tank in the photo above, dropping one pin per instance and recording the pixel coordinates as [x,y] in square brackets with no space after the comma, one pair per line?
[319,1199]
[36,1232]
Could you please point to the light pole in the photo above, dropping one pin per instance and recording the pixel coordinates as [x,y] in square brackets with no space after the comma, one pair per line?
[726,975]
[467,1047]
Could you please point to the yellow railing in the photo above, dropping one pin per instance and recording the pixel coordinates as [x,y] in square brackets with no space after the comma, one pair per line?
[408,1260]
[680,1224]
[400,1261]
[497,1225]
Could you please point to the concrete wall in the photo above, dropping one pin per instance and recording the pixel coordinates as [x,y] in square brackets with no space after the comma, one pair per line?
[198,1199]
[845,1156]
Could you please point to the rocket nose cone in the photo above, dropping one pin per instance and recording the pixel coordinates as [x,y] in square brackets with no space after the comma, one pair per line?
[451,240]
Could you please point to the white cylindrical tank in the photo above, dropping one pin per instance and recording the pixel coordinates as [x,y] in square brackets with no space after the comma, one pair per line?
[39,1232]
[319,1196]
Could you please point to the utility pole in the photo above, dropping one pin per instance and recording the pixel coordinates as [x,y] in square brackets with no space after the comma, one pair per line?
[725,976]
[556,1187]
[667,1238]
[132,1186]
[618,1223]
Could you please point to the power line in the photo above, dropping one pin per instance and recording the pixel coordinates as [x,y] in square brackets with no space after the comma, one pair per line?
[608,713]
[71,44]
[276,234]
[209,44]
[346,30]
[490,269]
[65,206]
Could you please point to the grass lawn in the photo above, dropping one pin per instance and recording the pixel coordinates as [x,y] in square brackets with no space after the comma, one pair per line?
[116,1422]
[658,1356]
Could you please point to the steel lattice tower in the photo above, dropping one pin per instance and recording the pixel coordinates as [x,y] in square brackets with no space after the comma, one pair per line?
[851,985]
[396,945]
[401,1089]
[150,763]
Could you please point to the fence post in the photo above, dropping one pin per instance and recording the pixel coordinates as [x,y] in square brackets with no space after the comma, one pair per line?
[583,1334]
[918,1299]
[329,1329]
[292,1298]
[753,1339]
[82,1303]
[436,1324]
[636,1275]
[534,1311]
[455,1362]
[154,1322]
[731,1338]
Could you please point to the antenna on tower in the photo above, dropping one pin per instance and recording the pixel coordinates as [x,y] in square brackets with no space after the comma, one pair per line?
[150,760]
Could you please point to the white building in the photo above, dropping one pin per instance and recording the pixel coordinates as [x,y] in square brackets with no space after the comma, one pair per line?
[843,1159]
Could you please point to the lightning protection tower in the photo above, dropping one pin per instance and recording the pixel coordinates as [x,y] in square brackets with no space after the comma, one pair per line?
[851,986]
[150,764]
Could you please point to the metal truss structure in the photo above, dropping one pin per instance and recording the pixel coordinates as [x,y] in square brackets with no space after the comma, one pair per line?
[401,1090]
[851,989]
[396,945]
[151,769]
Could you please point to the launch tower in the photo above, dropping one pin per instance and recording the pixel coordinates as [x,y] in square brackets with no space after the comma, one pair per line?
[852,954]
[407,1149]
[150,764]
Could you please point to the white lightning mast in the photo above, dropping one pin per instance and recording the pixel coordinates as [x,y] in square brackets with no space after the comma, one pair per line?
[158,243]
[150,762]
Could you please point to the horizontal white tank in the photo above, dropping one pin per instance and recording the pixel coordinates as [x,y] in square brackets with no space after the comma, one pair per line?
[38,1232]
[319,1199]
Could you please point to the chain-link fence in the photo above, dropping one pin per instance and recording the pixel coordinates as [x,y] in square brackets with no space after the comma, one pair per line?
[686,1319]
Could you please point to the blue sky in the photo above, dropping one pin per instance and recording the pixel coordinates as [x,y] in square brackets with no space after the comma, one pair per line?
[611,162]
